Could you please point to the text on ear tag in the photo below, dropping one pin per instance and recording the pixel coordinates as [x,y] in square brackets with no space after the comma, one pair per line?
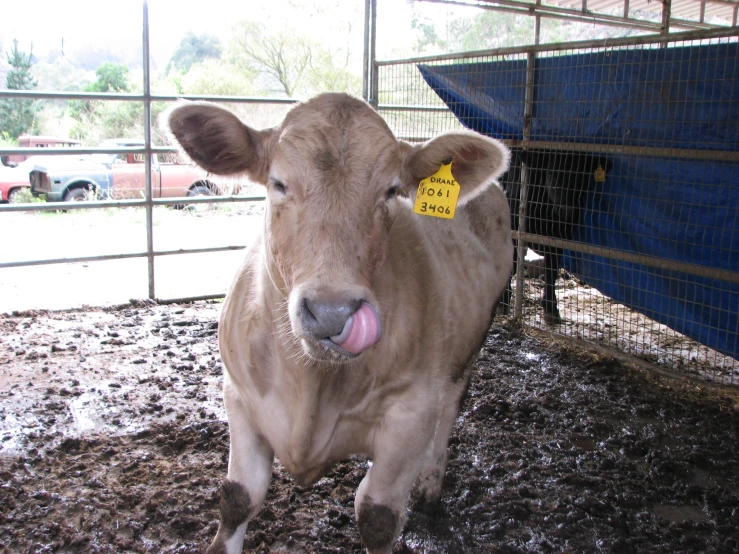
[437,195]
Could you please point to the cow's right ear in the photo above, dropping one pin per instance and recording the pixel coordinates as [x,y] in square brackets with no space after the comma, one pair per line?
[218,141]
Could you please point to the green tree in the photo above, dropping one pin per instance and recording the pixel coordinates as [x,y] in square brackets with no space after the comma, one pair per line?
[286,61]
[329,70]
[111,77]
[18,115]
[194,49]
[98,119]
[280,57]
[216,77]
[486,29]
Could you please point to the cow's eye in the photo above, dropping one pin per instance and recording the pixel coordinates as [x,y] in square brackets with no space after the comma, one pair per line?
[392,192]
[278,186]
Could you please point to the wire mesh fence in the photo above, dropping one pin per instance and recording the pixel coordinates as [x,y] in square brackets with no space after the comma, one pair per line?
[624,184]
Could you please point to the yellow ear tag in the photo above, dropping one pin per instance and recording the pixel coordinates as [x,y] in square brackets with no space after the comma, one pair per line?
[599,174]
[437,195]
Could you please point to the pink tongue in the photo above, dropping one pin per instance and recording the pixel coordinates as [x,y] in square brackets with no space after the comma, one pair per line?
[364,331]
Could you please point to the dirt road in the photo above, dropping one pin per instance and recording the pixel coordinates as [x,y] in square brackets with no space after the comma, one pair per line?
[53,235]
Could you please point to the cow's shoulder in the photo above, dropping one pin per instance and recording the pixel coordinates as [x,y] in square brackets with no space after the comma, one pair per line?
[245,327]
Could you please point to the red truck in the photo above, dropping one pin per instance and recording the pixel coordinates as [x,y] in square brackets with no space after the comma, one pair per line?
[36,141]
[118,176]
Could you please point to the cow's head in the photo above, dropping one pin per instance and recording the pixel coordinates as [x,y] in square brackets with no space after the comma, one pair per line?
[336,179]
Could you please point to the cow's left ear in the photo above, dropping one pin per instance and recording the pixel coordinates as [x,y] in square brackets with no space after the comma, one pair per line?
[476,162]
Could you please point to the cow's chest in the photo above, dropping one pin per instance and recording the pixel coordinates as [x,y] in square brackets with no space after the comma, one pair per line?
[315,424]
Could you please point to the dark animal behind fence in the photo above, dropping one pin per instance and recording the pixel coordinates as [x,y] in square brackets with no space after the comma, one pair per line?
[558,184]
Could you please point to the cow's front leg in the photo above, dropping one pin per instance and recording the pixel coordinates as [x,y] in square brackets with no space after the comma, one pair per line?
[427,491]
[249,473]
[382,496]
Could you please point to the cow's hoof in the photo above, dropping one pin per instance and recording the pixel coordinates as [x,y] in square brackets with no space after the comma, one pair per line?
[377,526]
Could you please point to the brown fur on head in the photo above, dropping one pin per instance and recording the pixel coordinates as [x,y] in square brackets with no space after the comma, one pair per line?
[333,172]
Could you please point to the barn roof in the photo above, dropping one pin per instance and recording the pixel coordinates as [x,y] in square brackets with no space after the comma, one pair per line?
[646,14]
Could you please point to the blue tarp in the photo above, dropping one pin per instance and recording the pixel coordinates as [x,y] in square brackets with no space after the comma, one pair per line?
[676,209]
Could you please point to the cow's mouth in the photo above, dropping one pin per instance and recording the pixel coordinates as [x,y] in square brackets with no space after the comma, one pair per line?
[332,346]
[361,330]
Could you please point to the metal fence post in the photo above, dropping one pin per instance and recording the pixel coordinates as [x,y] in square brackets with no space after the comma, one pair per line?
[524,190]
[374,86]
[147,157]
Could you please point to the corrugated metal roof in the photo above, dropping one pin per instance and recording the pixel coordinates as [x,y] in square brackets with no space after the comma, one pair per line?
[681,9]
[684,9]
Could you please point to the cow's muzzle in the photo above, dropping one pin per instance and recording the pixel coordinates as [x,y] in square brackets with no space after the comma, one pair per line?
[346,327]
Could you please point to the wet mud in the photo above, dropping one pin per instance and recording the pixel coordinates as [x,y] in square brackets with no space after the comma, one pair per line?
[113,439]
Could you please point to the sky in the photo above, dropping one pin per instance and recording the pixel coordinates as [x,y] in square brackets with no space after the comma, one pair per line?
[72,26]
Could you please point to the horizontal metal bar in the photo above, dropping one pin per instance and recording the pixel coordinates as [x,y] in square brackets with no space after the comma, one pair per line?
[187,299]
[47,95]
[206,200]
[410,108]
[129,97]
[80,150]
[725,32]
[110,257]
[99,204]
[413,138]
[199,250]
[620,255]
[79,259]
[224,99]
[65,206]
[649,151]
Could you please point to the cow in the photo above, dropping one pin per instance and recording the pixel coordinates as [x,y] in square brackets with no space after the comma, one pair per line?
[558,183]
[352,325]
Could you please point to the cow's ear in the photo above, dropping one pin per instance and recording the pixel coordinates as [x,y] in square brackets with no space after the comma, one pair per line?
[476,162]
[218,141]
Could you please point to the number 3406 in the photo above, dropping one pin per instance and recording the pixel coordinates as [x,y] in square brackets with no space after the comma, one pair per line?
[433,208]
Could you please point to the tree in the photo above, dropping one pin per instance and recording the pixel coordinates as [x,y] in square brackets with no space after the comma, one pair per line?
[109,118]
[111,77]
[328,70]
[18,115]
[215,77]
[486,29]
[288,61]
[194,49]
[281,57]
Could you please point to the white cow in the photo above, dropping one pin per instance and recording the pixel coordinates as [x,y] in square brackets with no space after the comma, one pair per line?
[352,325]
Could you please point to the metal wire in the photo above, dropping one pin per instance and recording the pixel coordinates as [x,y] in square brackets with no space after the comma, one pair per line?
[694,272]
[148,203]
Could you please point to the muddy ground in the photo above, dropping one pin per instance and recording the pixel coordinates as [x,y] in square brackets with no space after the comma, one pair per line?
[112,439]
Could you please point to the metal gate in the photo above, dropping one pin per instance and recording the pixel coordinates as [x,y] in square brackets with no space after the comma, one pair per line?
[148,203]
[628,153]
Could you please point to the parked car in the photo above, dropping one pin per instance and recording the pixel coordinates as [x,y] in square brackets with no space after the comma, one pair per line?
[13,180]
[36,141]
[118,176]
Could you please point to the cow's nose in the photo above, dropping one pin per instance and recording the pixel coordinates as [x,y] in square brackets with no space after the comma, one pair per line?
[324,318]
